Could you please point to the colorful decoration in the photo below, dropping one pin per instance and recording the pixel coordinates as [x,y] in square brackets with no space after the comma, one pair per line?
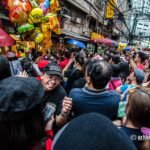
[35,16]
[54,6]
[26,27]
[122,46]
[36,19]
[37,36]
[33,3]
[45,6]
[24,4]
[18,15]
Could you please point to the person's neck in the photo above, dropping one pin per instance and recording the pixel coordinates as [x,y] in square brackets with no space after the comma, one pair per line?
[129,124]
[90,87]
[133,83]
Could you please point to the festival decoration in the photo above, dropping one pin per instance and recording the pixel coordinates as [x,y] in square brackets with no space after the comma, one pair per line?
[25,27]
[37,36]
[54,6]
[18,15]
[35,16]
[36,19]
[122,46]
[24,4]
[45,6]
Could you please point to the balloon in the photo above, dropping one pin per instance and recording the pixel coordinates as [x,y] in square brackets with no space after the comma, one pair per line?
[45,5]
[57,30]
[26,27]
[54,6]
[33,3]
[35,16]
[37,36]
[18,15]
[47,17]
[52,20]
[24,4]
[46,43]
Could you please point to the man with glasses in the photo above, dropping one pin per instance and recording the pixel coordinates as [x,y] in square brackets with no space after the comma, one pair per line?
[54,93]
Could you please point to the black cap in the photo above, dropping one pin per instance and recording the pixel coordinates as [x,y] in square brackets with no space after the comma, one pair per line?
[53,69]
[91,131]
[19,95]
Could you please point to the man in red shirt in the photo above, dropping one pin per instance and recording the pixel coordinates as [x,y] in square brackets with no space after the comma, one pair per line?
[63,63]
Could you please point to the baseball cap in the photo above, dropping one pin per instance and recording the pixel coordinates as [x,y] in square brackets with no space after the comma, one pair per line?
[18,96]
[53,69]
[139,74]
[42,64]
[91,131]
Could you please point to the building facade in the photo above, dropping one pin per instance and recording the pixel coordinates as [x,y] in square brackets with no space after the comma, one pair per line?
[81,17]
[140,19]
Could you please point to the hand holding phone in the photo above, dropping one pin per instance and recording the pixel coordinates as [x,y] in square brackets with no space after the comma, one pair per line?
[49,111]
[66,106]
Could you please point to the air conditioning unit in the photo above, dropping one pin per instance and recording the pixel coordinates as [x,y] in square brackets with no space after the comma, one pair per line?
[78,20]
[74,19]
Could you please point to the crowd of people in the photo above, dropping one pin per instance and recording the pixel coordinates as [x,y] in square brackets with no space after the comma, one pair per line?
[75,100]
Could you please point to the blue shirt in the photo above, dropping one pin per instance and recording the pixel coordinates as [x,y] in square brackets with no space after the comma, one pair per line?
[104,102]
[133,134]
[123,88]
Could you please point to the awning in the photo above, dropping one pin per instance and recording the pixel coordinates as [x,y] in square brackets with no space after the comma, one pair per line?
[106,41]
[6,39]
[71,35]
[77,43]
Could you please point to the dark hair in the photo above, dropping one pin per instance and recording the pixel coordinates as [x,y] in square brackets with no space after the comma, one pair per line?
[4,68]
[99,72]
[80,59]
[28,67]
[107,57]
[115,70]
[124,70]
[67,54]
[21,50]
[143,56]
[22,134]
[36,55]
[116,59]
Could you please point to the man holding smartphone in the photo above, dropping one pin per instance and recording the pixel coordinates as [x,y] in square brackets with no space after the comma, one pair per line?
[54,93]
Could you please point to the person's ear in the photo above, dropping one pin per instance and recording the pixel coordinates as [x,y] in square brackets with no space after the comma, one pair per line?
[42,75]
[88,79]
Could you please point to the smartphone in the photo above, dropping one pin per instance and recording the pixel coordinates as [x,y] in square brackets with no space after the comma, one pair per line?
[68,98]
[49,110]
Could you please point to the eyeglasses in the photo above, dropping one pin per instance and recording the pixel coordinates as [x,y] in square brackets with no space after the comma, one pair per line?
[53,78]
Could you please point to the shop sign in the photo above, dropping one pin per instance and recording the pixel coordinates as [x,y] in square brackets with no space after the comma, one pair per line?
[110,9]
[95,36]
[122,46]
